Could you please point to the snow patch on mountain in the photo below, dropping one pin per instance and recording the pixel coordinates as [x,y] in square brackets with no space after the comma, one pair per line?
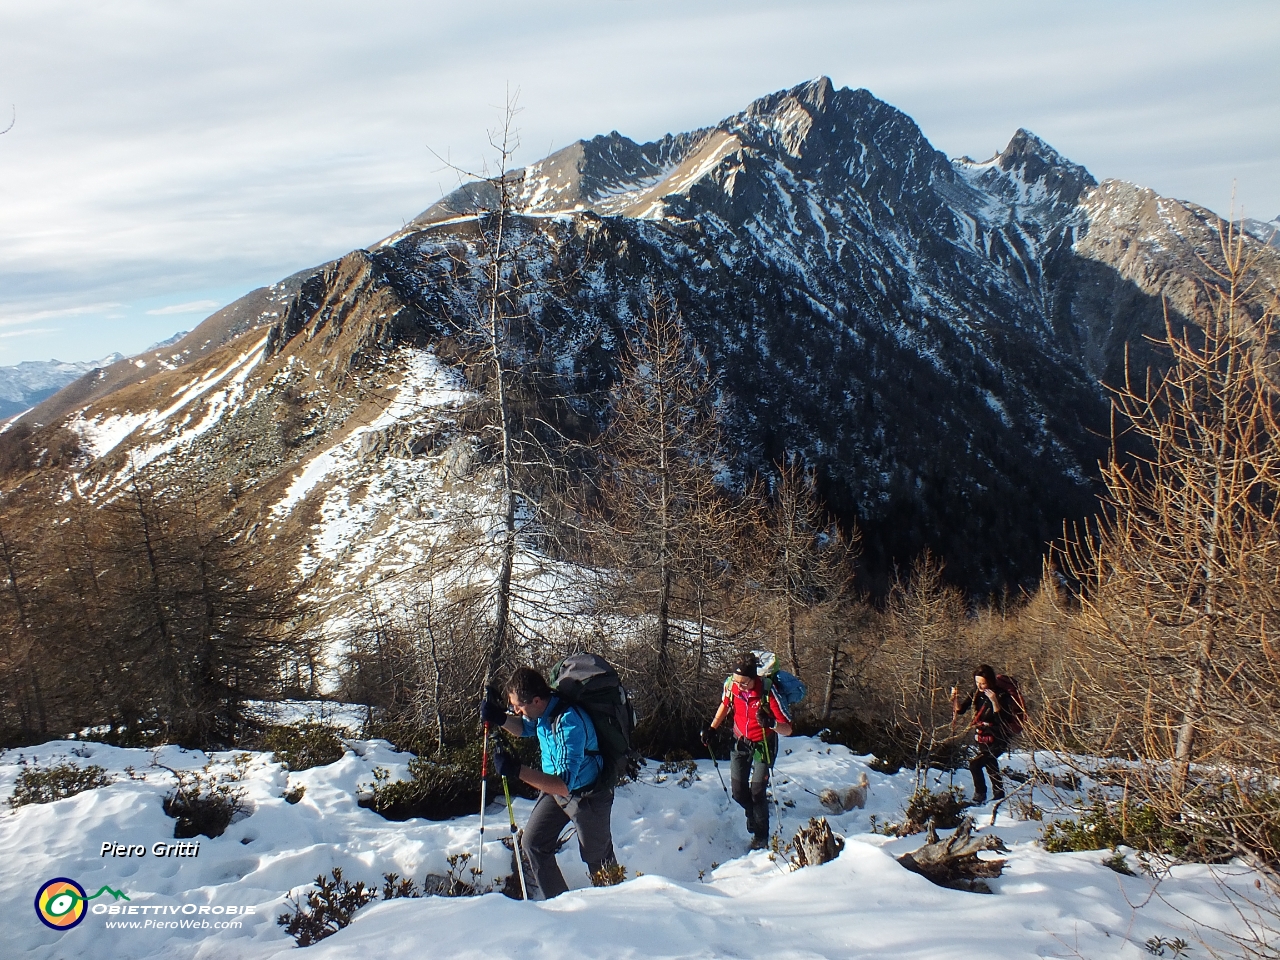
[702,161]
[426,385]
[101,435]
[217,404]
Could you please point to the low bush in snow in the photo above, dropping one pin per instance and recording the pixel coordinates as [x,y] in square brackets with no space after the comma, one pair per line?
[333,903]
[609,875]
[58,781]
[1107,825]
[326,909]
[301,746]
[444,788]
[436,791]
[945,809]
[204,802]
[678,762]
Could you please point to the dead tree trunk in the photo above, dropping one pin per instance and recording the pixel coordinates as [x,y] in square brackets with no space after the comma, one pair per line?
[954,862]
[814,843]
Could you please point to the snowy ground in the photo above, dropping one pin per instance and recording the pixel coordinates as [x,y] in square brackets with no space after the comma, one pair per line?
[699,894]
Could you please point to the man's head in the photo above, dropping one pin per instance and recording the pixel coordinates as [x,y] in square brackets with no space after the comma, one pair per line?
[746,670]
[985,677]
[528,693]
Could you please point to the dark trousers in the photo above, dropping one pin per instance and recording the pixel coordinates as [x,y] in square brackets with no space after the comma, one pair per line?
[749,774]
[590,816]
[988,758]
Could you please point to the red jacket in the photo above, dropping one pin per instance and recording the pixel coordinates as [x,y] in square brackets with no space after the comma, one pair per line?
[746,709]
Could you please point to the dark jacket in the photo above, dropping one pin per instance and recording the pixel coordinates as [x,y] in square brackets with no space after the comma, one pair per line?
[988,725]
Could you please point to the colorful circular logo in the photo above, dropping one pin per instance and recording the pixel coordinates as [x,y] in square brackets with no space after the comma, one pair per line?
[60,904]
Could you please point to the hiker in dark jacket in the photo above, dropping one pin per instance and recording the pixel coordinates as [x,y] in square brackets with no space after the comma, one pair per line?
[571,764]
[993,710]
[757,723]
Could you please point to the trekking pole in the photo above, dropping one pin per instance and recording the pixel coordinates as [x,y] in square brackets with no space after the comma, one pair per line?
[515,840]
[768,762]
[484,782]
[772,792]
[716,764]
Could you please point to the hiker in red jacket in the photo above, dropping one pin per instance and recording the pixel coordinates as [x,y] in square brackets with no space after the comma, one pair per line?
[757,723]
[996,720]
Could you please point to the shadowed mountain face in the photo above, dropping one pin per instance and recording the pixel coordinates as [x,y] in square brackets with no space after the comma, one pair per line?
[931,335]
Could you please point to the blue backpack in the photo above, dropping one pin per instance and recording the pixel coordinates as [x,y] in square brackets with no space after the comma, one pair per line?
[786,687]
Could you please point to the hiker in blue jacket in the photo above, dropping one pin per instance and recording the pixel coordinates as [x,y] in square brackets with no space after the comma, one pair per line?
[571,765]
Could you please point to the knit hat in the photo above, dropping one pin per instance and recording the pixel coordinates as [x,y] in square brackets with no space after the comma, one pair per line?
[746,665]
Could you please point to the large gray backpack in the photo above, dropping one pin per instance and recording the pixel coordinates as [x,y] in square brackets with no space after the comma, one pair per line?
[586,681]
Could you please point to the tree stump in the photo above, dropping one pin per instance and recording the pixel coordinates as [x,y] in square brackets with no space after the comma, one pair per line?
[954,862]
[815,843]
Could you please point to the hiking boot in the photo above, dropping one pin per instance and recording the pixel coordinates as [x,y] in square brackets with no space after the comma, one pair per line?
[759,843]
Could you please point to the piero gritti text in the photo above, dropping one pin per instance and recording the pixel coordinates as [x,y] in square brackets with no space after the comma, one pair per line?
[158,849]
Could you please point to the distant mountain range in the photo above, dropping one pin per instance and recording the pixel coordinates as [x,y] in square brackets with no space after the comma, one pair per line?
[932,335]
[24,385]
[1268,232]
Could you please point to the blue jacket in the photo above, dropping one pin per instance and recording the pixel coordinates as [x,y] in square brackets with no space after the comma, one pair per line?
[567,739]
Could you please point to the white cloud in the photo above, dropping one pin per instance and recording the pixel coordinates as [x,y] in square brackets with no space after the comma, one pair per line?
[35,316]
[195,306]
[28,333]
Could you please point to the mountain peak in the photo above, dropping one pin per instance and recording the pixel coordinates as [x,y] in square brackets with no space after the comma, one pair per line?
[1268,232]
[1025,145]
[811,127]
[813,95]
[816,93]
[1032,159]
[26,384]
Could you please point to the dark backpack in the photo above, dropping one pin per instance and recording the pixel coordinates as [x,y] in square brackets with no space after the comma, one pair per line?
[1016,716]
[586,681]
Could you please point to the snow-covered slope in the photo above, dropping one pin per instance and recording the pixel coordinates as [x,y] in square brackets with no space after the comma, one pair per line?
[931,335]
[692,890]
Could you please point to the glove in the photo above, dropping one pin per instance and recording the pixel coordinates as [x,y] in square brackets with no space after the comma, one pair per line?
[505,763]
[493,713]
[708,735]
[767,722]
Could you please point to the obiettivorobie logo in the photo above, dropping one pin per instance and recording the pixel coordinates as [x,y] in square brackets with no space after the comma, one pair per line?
[61,903]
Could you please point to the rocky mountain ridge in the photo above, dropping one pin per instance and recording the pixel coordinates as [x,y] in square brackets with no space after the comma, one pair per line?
[931,335]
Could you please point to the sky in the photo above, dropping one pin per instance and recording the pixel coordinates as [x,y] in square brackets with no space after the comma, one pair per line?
[167,157]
